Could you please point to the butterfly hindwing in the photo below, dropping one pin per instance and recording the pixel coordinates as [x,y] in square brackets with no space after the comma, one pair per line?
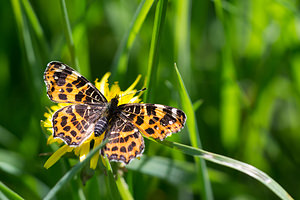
[125,141]
[65,85]
[75,123]
[154,120]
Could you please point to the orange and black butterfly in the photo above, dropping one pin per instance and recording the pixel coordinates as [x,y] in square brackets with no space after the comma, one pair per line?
[90,113]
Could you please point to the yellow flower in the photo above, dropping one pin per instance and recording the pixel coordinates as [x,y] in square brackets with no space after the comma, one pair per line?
[82,150]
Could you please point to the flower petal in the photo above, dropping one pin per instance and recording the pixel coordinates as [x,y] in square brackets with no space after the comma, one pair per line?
[94,159]
[84,150]
[57,155]
[47,115]
[77,151]
[50,140]
[102,86]
[133,84]
[47,124]
[135,100]
[114,91]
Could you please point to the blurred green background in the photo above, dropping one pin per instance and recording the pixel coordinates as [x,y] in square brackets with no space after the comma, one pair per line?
[241,58]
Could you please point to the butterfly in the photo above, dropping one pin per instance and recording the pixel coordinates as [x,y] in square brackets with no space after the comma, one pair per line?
[91,113]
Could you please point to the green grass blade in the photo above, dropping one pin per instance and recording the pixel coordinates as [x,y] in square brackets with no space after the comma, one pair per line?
[182,39]
[230,94]
[119,66]
[123,188]
[26,40]
[197,104]
[230,102]
[11,162]
[10,194]
[234,164]
[219,9]
[36,25]
[173,171]
[68,34]
[194,135]
[81,42]
[160,14]
[18,15]
[8,138]
[110,181]
[70,174]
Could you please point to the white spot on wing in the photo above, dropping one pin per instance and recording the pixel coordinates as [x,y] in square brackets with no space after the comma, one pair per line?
[174,113]
[76,73]
[159,106]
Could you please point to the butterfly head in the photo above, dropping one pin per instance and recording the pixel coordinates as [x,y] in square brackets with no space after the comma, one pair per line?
[113,104]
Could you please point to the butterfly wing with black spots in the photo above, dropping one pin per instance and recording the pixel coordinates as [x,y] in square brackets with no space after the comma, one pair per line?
[65,85]
[75,123]
[154,120]
[125,141]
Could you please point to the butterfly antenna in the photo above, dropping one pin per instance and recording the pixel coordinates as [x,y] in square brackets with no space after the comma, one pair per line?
[133,92]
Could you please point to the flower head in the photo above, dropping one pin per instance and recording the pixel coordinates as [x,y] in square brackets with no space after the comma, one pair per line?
[127,96]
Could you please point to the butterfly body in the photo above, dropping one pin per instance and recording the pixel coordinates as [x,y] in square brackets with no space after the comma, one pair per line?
[106,115]
[91,113]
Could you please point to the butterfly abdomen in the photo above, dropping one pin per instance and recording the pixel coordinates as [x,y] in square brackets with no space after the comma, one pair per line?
[100,126]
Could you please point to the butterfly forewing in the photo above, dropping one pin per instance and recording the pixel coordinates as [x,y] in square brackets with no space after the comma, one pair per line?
[154,120]
[125,141]
[75,123]
[65,85]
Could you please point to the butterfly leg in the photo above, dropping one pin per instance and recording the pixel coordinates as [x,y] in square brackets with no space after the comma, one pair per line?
[100,126]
